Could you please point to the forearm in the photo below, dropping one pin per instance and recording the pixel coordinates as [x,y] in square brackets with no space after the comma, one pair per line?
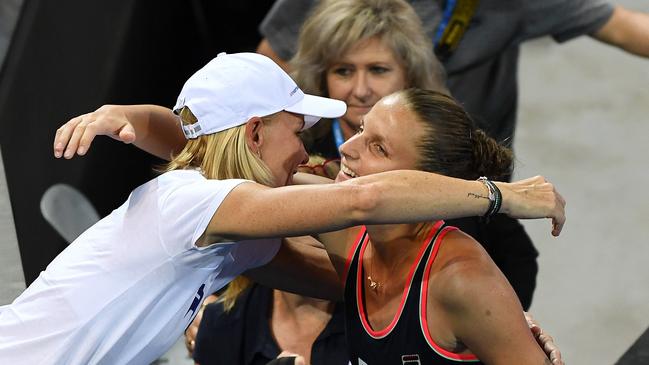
[413,196]
[400,196]
[156,129]
[628,30]
[385,198]
[300,267]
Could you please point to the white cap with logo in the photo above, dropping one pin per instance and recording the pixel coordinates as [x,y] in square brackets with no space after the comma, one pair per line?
[232,88]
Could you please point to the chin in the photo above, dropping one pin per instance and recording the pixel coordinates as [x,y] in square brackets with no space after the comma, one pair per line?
[341,177]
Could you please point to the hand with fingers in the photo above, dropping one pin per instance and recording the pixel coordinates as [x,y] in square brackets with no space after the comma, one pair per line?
[534,197]
[545,341]
[191,332]
[77,134]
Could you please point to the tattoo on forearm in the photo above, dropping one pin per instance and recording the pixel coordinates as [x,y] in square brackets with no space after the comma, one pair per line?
[477,196]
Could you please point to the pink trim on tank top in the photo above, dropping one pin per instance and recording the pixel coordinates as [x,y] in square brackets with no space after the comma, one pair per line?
[424,302]
[350,253]
[359,284]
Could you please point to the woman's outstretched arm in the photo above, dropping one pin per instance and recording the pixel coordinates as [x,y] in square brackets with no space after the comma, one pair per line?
[151,128]
[405,196]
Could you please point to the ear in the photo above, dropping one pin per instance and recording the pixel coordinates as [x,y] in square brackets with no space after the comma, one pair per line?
[254,135]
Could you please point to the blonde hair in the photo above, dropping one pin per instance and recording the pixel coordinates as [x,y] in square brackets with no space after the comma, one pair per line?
[230,295]
[222,155]
[335,26]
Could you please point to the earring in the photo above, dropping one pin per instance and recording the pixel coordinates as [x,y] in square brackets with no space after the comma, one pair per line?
[259,154]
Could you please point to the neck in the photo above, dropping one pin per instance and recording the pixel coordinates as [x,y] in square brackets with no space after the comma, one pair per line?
[389,255]
[392,241]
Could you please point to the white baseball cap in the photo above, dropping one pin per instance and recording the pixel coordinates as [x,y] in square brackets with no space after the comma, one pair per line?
[232,88]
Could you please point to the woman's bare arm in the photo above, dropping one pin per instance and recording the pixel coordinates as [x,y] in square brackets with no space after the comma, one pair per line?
[628,30]
[151,128]
[301,266]
[404,196]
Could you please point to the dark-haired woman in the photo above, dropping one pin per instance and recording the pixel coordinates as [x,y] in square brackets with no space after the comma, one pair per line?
[426,293]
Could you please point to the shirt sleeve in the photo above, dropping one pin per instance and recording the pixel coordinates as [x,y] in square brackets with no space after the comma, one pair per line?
[187,210]
[281,26]
[255,253]
[563,20]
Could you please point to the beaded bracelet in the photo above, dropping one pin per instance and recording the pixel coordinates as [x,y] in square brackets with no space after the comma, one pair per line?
[495,197]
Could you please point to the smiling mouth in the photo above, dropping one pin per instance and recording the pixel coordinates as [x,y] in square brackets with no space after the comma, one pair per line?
[347,171]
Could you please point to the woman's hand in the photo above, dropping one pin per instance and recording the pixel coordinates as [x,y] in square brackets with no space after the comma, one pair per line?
[534,197]
[545,341]
[151,128]
[77,134]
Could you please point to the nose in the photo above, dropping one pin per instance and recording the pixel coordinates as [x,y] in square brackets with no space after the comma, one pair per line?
[361,89]
[349,149]
[305,156]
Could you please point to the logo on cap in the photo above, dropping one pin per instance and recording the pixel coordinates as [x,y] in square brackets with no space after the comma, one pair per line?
[191,131]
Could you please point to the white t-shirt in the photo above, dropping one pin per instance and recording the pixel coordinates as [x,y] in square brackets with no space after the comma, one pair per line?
[127,288]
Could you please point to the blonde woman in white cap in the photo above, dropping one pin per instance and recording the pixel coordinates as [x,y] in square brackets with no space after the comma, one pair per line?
[125,290]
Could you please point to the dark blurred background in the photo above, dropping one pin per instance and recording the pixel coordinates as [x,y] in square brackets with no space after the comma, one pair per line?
[70,57]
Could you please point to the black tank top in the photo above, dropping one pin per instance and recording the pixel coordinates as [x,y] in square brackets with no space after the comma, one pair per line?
[406,340]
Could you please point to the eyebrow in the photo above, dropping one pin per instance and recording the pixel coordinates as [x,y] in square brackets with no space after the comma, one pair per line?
[377,137]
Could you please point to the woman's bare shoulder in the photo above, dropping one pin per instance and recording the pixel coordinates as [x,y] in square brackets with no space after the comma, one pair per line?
[463,270]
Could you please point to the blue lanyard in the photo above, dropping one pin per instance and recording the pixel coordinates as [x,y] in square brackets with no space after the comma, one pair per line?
[448,12]
[338,133]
